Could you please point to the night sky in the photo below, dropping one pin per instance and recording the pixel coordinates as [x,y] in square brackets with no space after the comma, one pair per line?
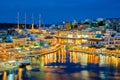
[54,11]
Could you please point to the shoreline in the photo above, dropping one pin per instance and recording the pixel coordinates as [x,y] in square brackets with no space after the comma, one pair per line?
[97,53]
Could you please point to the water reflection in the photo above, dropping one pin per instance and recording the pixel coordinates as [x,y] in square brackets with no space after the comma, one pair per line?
[64,65]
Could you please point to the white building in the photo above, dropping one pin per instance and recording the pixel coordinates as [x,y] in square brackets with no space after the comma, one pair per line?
[112,39]
[117,40]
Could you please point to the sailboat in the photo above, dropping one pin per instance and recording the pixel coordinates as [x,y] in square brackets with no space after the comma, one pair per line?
[18,25]
[33,30]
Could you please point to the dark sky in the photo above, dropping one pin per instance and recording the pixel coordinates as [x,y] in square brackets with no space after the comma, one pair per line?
[53,11]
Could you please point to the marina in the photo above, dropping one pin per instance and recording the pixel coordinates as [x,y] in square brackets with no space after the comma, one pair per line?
[69,65]
[87,49]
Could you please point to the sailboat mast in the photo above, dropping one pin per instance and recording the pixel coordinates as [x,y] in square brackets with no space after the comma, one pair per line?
[18,26]
[25,20]
[39,21]
[32,18]
[32,21]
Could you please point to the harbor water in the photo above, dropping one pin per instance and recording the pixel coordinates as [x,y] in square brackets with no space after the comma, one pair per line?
[64,65]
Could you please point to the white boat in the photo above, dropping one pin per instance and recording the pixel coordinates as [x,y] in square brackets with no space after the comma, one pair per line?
[8,65]
[25,60]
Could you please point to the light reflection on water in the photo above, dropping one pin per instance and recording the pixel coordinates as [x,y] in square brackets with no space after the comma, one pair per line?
[63,65]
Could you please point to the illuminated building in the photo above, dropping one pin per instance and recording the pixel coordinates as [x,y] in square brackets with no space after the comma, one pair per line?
[95,42]
[20,41]
[117,40]
[81,26]
[9,38]
[3,35]
[68,25]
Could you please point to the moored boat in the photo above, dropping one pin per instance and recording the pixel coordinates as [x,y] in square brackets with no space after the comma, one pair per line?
[9,65]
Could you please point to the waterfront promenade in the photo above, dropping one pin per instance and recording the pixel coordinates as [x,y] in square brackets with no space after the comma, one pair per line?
[43,51]
[115,53]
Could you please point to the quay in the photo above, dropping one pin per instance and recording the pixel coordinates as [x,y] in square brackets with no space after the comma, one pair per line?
[94,51]
[38,53]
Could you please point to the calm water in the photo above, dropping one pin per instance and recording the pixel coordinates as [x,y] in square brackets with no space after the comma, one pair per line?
[63,65]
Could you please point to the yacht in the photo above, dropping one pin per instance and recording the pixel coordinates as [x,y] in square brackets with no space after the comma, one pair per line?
[25,61]
[8,65]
